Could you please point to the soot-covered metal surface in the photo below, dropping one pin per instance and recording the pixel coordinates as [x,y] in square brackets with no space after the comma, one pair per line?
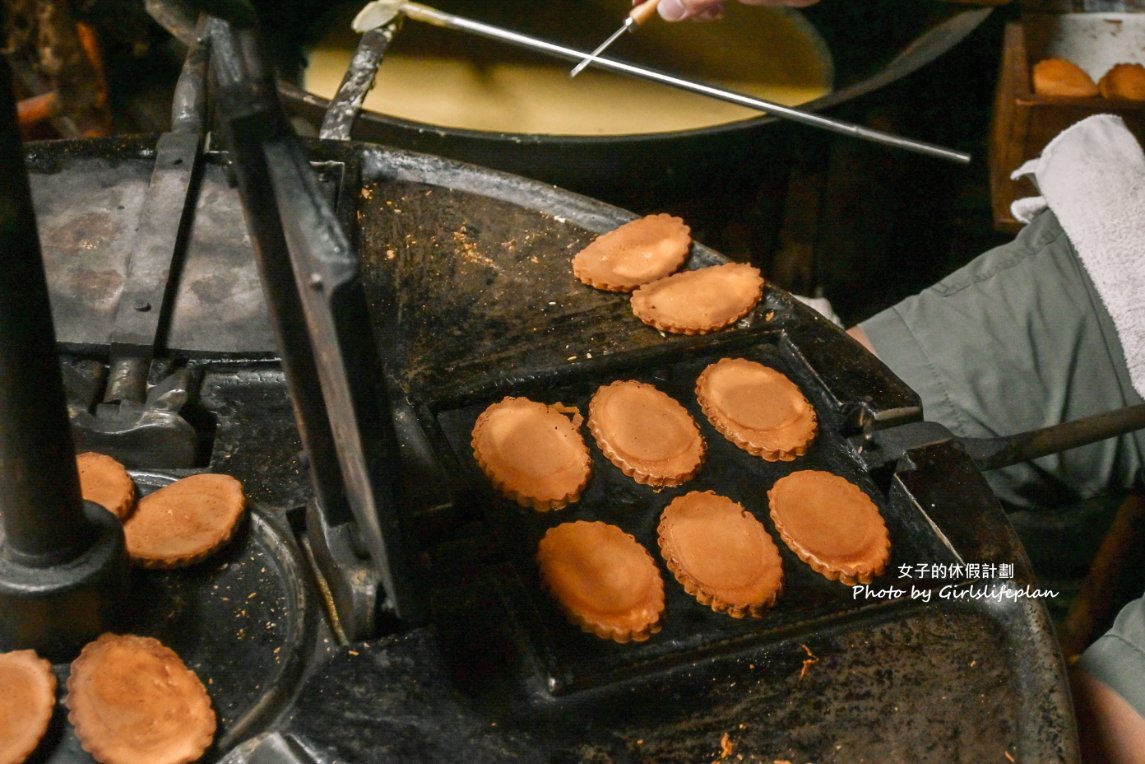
[471,294]
[244,621]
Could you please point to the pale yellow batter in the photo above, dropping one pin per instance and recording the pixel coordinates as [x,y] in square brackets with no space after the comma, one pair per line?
[457,80]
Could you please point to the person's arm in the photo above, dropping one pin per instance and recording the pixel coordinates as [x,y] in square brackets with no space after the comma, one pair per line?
[1110,730]
[861,337]
[677,10]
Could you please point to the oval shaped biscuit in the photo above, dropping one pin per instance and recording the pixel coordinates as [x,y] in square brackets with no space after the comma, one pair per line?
[699,301]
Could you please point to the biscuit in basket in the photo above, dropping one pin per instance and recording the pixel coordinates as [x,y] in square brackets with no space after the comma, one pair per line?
[1062,78]
[1123,81]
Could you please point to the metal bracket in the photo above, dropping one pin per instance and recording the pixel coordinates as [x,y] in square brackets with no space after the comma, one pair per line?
[886,448]
[139,430]
[351,582]
[881,448]
[359,78]
[141,427]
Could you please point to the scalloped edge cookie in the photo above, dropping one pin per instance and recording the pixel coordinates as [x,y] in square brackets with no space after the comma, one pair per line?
[501,452]
[106,482]
[827,495]
[699,301]
[640,251]
[630,421]
[584,560]
[782,443]
[184,522]
[706,524]
[27,703]
[122,685]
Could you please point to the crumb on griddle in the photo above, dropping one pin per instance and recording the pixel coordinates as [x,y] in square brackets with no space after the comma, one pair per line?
[808,662]
[727,747]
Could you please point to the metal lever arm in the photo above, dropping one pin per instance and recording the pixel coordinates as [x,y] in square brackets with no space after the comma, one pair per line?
[992,453]
[886,447]
[356,83]
[310,275]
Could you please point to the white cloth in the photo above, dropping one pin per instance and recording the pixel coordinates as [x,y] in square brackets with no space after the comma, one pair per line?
[822,306]
[1092,176]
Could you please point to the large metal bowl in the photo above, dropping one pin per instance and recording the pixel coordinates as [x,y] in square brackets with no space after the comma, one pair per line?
[871,44]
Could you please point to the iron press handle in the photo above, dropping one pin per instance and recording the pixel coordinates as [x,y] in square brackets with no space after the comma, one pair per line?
[879,448]
[311,278]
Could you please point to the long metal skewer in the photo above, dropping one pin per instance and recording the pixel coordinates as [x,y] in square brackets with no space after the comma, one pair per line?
[425,14]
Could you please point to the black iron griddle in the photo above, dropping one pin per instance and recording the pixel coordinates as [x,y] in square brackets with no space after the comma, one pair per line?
[480,678]
[574,660]
[464,274]
[497,674]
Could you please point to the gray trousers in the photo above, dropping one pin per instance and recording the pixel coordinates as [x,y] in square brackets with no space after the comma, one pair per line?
[1016,340]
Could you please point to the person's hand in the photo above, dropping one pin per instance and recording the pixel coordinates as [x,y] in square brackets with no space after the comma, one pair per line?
[676,10]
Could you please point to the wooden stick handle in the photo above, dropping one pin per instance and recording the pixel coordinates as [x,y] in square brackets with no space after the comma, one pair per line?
[643,12]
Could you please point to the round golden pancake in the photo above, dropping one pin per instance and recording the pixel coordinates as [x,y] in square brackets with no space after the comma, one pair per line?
[757,408]
[27,700]
[831,524]
[721,554]
[646,433]
[605,581]
[637,252]
[699,301]
[533,452]
[131,699]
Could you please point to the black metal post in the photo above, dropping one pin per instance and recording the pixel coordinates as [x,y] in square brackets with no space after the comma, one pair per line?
[62,562]
[40,503]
